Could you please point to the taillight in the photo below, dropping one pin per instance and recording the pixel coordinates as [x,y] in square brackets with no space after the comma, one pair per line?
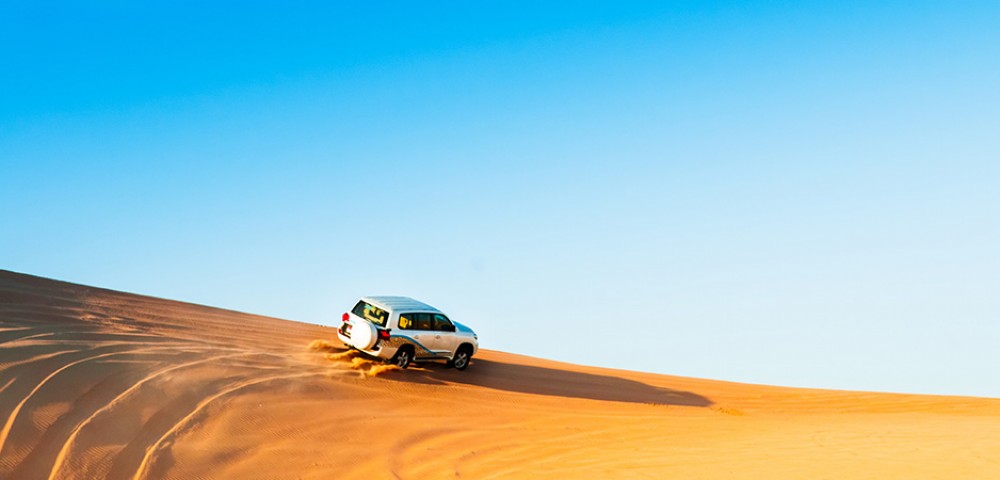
[345,317]
[383,334]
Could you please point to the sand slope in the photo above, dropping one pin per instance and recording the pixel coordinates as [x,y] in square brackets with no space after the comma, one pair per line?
[102,384]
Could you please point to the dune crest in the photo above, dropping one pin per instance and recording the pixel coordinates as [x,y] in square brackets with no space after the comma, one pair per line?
[102,384]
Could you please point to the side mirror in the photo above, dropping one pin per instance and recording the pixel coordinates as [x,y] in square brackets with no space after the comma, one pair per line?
[449,328]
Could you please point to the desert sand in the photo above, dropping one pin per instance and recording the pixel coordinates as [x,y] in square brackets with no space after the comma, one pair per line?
[102,384]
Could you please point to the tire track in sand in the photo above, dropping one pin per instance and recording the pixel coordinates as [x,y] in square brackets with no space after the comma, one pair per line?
[67,445]
[5,432]
[147,459]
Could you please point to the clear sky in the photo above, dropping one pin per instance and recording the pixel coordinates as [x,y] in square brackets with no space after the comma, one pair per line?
[796,193]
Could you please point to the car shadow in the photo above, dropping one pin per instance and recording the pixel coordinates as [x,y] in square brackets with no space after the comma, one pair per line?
[547,381]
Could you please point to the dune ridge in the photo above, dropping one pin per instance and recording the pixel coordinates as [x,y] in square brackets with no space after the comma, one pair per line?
[102,384]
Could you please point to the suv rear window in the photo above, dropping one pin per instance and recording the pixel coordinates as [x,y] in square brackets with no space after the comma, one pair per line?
[371,313]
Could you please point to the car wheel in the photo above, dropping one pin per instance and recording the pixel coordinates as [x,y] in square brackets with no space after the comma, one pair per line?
[461,359]
[403,358]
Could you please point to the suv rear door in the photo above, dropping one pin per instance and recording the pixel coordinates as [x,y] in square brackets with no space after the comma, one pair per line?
[419,327]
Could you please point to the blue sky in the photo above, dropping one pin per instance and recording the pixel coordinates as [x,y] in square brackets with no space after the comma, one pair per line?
[778,192]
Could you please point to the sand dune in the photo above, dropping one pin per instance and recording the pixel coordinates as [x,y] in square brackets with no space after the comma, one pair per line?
[102,384]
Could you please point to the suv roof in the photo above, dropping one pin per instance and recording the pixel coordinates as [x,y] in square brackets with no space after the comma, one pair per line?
[397,304]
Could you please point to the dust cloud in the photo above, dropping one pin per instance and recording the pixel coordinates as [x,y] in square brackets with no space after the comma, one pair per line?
[322,346]
[365,366]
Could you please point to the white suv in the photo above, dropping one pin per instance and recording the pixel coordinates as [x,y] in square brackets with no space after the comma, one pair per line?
[401,330]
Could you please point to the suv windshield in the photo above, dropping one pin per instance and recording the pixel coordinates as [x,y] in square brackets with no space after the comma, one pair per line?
[371,313]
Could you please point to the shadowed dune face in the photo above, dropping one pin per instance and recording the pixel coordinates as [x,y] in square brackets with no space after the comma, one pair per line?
[102,384]
[536,380]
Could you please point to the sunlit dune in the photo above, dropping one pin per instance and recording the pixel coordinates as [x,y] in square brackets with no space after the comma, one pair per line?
[102,384]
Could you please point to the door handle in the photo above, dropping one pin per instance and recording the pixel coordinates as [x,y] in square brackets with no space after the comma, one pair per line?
[437,336]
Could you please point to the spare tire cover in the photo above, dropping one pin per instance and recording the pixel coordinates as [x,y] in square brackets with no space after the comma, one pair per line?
[363,335]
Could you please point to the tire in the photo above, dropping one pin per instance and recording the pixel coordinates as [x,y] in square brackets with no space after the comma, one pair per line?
[461,359]
[403,357]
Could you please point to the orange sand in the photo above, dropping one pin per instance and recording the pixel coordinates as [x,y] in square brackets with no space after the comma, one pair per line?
[102,384]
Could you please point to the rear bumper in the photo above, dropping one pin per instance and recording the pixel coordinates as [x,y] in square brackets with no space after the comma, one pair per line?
[345,339]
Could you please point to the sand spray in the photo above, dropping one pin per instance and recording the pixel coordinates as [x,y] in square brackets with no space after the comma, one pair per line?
[321,346]
[366,367]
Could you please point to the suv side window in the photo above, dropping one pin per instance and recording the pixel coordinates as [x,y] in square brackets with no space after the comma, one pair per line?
[406,321]
[442,324]
[415,321]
